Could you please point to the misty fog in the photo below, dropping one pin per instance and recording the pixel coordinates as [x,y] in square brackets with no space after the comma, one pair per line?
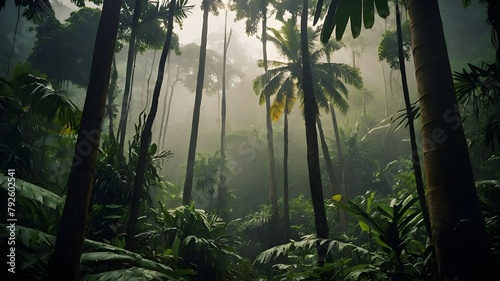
[374,157]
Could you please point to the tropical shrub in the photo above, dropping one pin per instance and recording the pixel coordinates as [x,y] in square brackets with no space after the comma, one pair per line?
[200,241]
[32,112]
[38,212]
[389,247]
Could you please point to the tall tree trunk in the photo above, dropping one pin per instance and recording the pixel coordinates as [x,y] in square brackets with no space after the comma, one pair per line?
[122,127]
[188,182]
[270,139]
[310,115]
[146,132]
[65,260]
[458,229]
[386,104]
[331,174]
[411,127]
[286,196]
[165,100]
[222,170]
[342,188]
[111,97]
[327,158]
[364,105]
[172,87]
[149,78]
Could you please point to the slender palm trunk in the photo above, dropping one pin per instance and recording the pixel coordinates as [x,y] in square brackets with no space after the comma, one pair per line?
[364,105]
[132,85]
[146,133]
[65,260]
[149,78]
[188,182]
[270,139]
[386,104]
[111,97]
[310,115]
[222,170]
[342,188]
[122,127]
[172,87]
[331,174]
[327,158]
[459,234]
[286,195]
[165,100]
[411,127]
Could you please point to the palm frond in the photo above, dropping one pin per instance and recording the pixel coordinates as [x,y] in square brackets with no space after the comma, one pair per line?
[271,63]
[269,82]
[347,73]
[308,243]
[284,100]
[287,40]
[38,94]
[478,86]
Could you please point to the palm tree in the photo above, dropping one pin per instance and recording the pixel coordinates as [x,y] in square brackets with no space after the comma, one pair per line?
[285,77]
[451,192]
[207,6]
[253,11]
[310,115]
[65,260]
[458,229]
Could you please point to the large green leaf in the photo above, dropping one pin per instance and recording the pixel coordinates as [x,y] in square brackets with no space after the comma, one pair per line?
[38,94]
[307,243]
[34,193]
[133,273]
[368,14]
[344,12]
[104,256]
[133,266]
[341,11]
[356,6]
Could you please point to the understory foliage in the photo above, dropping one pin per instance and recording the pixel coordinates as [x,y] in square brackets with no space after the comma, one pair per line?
[35,240]
[184,243]
[112,190]
[385,244]
[34,118]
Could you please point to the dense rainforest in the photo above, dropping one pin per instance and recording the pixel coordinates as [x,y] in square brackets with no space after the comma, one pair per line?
[249,140]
